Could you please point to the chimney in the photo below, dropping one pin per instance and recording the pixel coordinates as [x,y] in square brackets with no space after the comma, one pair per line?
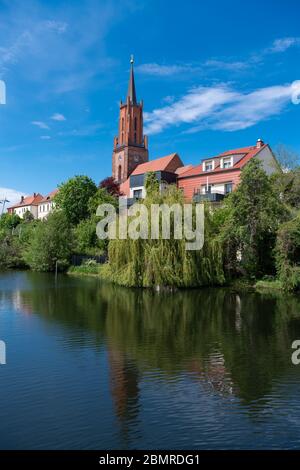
[34,194]
[22,199]
[259,143]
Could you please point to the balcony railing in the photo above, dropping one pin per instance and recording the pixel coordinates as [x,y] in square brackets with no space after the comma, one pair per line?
[211,197]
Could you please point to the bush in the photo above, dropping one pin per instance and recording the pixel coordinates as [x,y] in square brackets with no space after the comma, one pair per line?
[288,254]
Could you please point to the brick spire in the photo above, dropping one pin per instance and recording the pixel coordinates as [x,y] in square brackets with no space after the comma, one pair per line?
[131,86]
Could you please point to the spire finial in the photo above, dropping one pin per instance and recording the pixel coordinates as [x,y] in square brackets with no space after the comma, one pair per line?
[131,86]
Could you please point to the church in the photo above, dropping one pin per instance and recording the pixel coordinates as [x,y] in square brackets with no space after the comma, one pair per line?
[211,180]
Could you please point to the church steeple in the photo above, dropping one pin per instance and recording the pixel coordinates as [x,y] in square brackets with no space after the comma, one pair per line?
[130,146]
[131,85]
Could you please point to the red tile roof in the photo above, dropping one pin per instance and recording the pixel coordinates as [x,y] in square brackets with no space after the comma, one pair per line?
[32,200]
[125,187]
[160,164]
[49,196]
[247,152]
[182,169]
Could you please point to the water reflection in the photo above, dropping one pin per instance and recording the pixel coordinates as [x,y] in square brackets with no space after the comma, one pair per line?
[232,345]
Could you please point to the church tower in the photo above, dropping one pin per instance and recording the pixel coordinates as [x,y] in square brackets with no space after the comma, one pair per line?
[131,145]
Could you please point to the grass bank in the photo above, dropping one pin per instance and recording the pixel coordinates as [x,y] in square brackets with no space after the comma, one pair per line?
[269,284]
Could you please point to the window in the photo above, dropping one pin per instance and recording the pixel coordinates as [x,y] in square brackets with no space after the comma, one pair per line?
[137,193]
[135,137]
[122,124]
[227,162]
[135,123]
[209,165]
[119,173]
[228,187]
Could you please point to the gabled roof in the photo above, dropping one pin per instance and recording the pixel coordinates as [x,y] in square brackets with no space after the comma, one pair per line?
[32,200]
[246,154]
[49,196]
[167,163]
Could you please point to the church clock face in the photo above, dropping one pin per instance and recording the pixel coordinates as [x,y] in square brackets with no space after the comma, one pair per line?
[136,158]
[120,158]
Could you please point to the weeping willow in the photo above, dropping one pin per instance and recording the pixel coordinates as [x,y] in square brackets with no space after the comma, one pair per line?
[165,263]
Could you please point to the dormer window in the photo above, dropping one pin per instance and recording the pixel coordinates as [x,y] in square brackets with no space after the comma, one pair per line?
[208,165]
[227,162]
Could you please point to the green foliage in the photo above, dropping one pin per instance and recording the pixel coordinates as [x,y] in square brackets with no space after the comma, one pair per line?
[9,221]
[288,185]
[89,267]
[101,196]
[51,241]
[86,240]
[28,216]
[10,252]
[151,183]
[73,198]
[288,254]
[152,263]
[253,214]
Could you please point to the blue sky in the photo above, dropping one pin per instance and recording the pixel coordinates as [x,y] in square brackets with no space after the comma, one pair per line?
[213,76]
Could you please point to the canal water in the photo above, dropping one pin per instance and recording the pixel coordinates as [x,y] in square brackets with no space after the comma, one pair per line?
[94,366]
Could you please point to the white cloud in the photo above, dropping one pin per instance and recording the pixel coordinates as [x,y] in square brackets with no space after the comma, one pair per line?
[170,70]
[283,44]
[12,195]
[56,26]
[45,137]
[254,107]
[164,70]
[197,104]
[220,107]
[40,124]
[227,65]
[58,117]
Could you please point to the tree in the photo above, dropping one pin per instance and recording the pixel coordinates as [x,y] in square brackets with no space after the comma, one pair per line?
[9,221]
[111,186]
[288,254]
[287,182]
[51,242]
[254,212]
[28,216]
[101,196]
[73,198]
[86,240]
[151,184]
[287,158]
[165,262]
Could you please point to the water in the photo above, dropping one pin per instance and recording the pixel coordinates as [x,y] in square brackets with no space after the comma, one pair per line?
[95,366]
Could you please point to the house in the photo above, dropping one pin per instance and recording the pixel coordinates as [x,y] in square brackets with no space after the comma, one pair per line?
[26,204]
[165,169]
[46,205]
[219,175]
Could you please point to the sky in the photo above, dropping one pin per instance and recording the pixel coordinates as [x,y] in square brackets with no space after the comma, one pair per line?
[213,76]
